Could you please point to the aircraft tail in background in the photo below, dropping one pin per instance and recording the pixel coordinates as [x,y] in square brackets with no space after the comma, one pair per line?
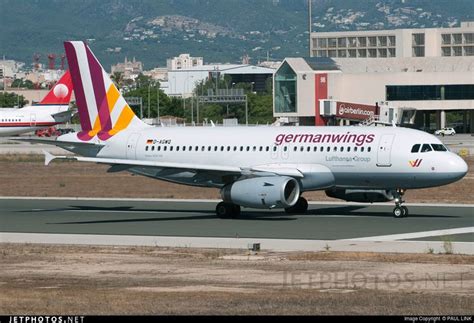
[60,93]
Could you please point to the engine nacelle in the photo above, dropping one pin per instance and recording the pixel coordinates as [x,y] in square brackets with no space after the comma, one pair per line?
[263,192]
[367,196]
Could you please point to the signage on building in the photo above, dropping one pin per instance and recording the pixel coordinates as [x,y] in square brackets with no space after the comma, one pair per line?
[355,111]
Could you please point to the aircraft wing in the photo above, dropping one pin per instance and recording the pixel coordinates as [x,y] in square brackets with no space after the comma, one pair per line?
[132,162]
[123,164]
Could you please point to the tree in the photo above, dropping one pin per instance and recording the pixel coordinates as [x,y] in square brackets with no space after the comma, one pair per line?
[10,100]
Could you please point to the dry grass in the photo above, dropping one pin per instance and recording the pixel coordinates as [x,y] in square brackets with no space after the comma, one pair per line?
[48,279]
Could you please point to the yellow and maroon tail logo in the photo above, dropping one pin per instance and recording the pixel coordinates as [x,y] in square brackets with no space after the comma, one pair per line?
[102,109]
[415,163]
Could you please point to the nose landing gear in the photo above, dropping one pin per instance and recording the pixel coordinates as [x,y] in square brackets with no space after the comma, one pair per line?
[400,211]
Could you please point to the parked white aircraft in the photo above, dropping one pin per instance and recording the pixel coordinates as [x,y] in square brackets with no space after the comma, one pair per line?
[52,110]
[258,167]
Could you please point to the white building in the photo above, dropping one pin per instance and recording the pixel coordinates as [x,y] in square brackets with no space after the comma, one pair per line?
[429,85]
[128,69]
[182,82]
[183,61]
[427,42]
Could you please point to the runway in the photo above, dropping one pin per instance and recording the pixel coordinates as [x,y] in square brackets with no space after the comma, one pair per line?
[193,223]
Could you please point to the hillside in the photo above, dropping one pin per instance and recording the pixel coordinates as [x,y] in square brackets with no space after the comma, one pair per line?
[220,31]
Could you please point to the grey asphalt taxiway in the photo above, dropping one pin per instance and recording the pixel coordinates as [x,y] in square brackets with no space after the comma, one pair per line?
[340,226]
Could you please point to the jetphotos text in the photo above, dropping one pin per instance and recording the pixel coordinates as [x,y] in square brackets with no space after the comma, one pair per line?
[347,138]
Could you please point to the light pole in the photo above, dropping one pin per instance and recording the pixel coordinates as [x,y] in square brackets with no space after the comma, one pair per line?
[149,100]
[157,103]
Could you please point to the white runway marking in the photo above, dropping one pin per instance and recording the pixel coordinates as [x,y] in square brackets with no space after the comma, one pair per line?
[416,235]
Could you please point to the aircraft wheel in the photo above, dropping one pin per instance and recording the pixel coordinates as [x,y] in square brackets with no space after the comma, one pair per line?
[301,206]
[405,211]
[224,210]
[227,210]
[398,212]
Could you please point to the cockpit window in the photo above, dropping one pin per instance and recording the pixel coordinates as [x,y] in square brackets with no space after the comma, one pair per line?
[438,147]
[425,148]
[415,148]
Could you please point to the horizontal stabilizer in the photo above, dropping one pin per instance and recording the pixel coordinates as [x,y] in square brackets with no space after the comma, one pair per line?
[85,148]
[63,116]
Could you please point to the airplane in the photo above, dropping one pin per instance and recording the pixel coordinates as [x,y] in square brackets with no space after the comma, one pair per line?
[52,110]
[259,167]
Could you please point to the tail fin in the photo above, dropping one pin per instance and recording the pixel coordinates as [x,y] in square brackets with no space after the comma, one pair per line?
[60,93]
[102,109]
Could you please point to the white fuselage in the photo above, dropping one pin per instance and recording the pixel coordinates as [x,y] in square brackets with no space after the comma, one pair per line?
[358,157]
[31,118]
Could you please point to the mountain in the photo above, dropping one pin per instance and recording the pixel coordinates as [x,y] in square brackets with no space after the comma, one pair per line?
[218,30]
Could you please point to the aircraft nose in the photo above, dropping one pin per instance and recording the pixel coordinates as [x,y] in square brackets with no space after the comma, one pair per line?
[457,166]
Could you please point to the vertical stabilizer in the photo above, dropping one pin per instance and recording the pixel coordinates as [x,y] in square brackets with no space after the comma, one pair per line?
[102,109]
[60,93]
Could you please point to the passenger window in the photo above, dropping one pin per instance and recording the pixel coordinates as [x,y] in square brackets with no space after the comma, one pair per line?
[335,149]
[355,148]
[171,148]
[328,149]
[415,148]
[146,148]
[209,148]
[294,149]
[285,148]
[248,148]
[215,148]
[254,148]
[362,149]
[222,148]
[275,148]
[164,148]
[267,148]
[260,148]
[369,149]
[196,148]
[190,148]
[228,148]
[308,149]
[184,148]
[177,148]
[348,149]
[241,148]
[235,148]
[342,149]
[321,149]
[425,148]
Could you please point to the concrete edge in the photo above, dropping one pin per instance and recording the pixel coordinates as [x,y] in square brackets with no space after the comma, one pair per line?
[420,247]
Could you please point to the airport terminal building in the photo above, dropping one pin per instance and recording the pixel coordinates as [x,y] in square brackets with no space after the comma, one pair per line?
[430,71]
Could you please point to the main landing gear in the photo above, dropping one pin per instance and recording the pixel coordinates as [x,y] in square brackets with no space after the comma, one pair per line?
[400,211]
[227,210]
[301,206]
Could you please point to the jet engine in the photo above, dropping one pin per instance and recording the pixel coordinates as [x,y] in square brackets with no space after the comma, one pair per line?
[368,196]
[263,192]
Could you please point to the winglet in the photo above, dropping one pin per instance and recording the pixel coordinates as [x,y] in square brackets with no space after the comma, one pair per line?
[48,157]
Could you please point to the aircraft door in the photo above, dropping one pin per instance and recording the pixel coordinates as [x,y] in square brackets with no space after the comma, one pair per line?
[132,145]
[32,119]
[384,151]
